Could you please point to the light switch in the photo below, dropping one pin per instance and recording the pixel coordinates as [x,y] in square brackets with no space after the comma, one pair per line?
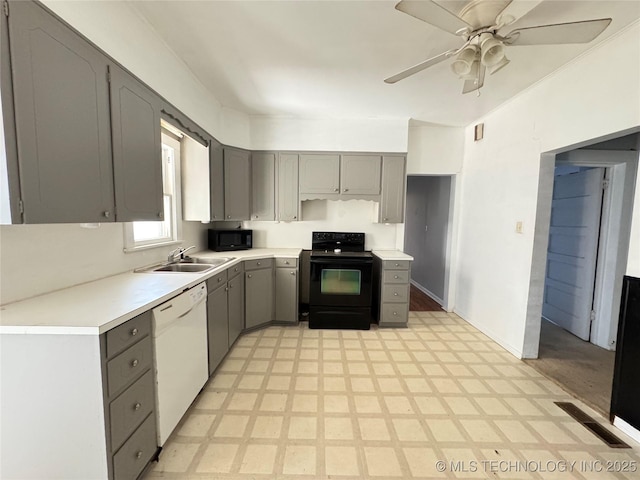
[519,228]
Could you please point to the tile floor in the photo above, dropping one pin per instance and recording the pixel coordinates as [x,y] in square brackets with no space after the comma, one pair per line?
[289,402]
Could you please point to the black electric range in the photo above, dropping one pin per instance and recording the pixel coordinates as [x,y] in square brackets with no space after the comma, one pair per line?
[341,281]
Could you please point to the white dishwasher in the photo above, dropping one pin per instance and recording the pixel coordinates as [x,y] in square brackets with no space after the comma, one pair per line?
[180,356]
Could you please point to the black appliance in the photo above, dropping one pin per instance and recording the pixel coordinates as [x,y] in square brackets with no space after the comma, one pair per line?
[229,240]
[626,379]
[341,281]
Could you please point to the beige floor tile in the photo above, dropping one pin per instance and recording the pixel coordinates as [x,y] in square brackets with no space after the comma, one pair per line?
[390,385]
[445,385]
[471,466]
[382,462]
[551,432]
[251,382]
[358,368]
[222,381]
[548,460]
[445,430]
[354,355]
[310,354]
[307,383]
[267,426]
[176,458]
[303,428]
[211,400]
[273,402]
[361,385]
[398,404]
[334,384]
[504,387]
[242,401]
[417,385]
[373,429]
[367,404]
[341,461]
[196,425]
[218,458]
[232,426]
[338,429]
[304,403]
[379,356]
[308,367]
[282,366]
[409,430]
[522,406]
[430,405]
[333,368]
[385,368]
[504,463]
[259,459]
[286,343]
[285,353]
[263,353]
[473,386]
[461,406]
[279,382]
[399,356]
[480,431]
[516,431]
[299,460]
[422,462]
[232,365]
[492,406]
[257,366]
[336,404]
[268,342]
[408,369]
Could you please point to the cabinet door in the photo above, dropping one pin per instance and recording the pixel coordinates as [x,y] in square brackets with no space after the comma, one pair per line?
[61,102]
[259,297]
[286,295]
[263,178]
[319,173]
[217,326]
[360,175]
[237,181]
[393,188]
[137,149]
[216,181]
[236,308]
[288,202]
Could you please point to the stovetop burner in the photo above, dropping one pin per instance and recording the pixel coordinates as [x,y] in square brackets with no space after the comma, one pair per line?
[330,242]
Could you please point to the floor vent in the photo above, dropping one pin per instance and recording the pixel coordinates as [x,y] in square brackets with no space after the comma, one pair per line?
[590,424]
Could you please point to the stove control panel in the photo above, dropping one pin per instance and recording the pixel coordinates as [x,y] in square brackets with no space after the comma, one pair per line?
[329,241]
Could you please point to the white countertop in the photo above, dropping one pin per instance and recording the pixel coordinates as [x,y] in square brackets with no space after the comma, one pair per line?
[392,255]
[95,307]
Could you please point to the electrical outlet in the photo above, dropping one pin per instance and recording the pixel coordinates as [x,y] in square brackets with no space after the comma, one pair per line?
[519,228]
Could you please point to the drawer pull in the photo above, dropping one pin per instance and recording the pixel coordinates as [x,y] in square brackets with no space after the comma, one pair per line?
[134,332]
[336,189]
[139,454]
[137,406]
[294,217]
[395,314]
[395,294]
[397,264]
[286,262]
[293,273]
[385,219]
[134,363]
[219,279]
[396,276]
[259,263]
[249,276]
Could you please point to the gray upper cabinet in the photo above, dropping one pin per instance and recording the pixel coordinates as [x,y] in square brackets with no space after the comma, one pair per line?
[137,160]
[216,181]
[61,101]
[288,202]
[320,173]
[360,174]
[263,177]
[393,190]
[237,181]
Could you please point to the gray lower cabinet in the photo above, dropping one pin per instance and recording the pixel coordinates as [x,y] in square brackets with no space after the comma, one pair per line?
[393,190]
[286,290]
[137,149]
[129,397]
[236,302]
[259,291]
[288,200]
[263,181]
[61,108]
[393,292]
[217,320]
[237,184]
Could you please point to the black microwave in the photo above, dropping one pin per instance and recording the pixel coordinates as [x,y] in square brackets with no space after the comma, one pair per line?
[227,240]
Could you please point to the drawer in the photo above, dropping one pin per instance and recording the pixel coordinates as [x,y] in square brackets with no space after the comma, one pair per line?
[395,276]
[256,264]
[128,333]
[287,262]
[137,451]
[396,264]
[235,270]
[128,365]
[129,410]
[216,281]
[395,293]
[394,313]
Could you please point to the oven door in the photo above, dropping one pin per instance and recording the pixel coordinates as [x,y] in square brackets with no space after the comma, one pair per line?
[344,281]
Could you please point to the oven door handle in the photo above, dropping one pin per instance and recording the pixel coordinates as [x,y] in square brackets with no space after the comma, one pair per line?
[341,261]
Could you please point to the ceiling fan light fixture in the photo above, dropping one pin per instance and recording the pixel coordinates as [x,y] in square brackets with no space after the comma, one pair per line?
[463,63]
[472,74]
[498,66]
[492,51]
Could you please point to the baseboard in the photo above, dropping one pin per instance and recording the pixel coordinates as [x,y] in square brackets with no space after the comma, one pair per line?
[626,428]
[517,352]
[431,295]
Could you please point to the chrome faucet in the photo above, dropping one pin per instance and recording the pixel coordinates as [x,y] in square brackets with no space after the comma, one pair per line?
[178,252]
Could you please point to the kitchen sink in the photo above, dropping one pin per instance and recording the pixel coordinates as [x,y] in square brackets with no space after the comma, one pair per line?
[187,265]
[183,267]
[216,262]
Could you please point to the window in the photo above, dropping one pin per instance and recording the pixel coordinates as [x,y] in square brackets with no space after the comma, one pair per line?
[140,235]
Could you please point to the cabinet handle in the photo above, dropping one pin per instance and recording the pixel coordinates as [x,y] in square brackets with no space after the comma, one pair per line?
[160,214]
[385,219]
[249,276]
[134,332]
[219,279]
[255,216]
[139,454]
[294,217]
[286,262]
[228,216]
[397,264]
[230,286]
[137,406]
[346,190]
[293,273]
[258,263]
[336,189]
[396,276]
[226,289]
[106,214]
[395,314]
[395,294]
[134,363]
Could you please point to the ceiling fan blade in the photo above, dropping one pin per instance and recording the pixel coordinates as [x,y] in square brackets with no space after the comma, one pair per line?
[433,14]
[574,32]
[476,83]
[516,10]
[420,66]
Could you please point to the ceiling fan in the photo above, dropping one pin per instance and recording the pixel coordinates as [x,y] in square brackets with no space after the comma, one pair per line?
[483,48]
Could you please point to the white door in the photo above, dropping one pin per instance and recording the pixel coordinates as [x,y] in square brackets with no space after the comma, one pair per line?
[572,252]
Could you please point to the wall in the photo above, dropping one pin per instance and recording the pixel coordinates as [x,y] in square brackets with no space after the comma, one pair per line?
[428,206]
[594,96]
[434,149]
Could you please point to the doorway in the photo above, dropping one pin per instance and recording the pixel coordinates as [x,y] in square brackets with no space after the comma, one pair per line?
[581,361]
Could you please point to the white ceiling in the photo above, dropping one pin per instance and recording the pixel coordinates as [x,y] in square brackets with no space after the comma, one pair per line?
[329,58]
